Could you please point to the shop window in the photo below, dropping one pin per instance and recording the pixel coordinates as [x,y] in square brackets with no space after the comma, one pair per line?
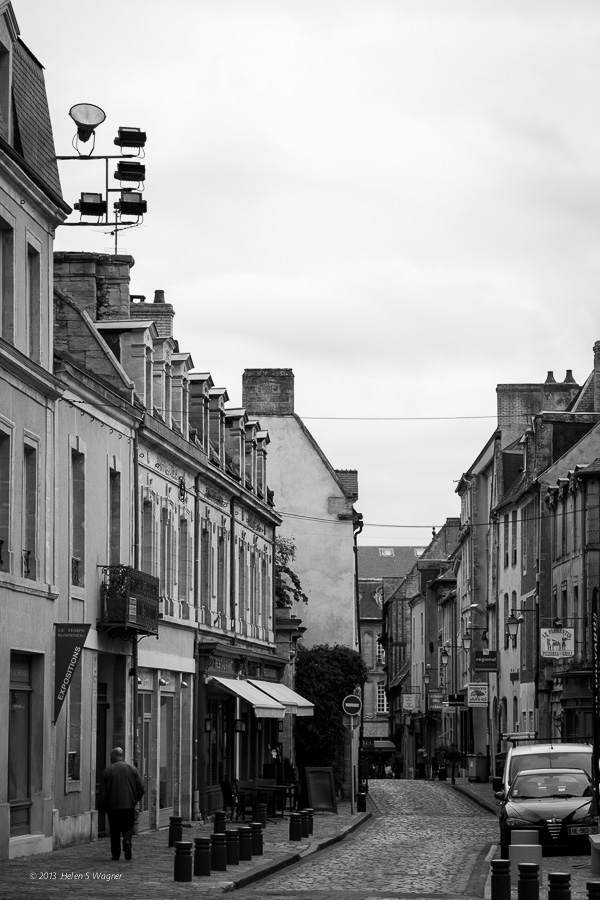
[74,729]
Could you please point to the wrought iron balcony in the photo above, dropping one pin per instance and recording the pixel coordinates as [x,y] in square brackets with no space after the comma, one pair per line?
[129,601]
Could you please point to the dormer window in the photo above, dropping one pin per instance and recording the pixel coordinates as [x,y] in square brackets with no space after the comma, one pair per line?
[386,551]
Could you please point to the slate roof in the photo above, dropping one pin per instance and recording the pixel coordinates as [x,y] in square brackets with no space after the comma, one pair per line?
[33,117]
[371,564]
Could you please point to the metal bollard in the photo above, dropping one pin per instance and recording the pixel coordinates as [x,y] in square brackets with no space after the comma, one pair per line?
[559,886]
[261,814]
[202,855]
[232,839]
[257,838]
[182,870]
[310,819]
[361,802]
[304,822]
[528,887]
[245,833]
[220,820]
[593,890]
[500,879]
[175,829]
[295,827]
[218,852]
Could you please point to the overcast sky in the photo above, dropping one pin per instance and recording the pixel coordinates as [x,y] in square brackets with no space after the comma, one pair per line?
[398,200]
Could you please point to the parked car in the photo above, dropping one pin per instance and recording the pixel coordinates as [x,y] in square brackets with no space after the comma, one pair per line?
[557,803]
[543,756]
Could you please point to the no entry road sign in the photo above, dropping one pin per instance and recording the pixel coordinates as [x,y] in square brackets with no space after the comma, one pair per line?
[352,705]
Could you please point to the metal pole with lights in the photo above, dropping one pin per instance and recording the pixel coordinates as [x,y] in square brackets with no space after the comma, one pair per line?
[88,117]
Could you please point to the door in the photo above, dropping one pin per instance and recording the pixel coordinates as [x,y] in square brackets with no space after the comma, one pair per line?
[145,759]
[19,745]
[102,707]
[166,756]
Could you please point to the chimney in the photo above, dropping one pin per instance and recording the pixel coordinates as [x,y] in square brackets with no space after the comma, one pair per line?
[268,392]
[160,312]
[550,379]
[97,282]
[569,377]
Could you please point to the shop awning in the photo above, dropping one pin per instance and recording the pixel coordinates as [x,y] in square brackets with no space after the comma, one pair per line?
[384,745]
[293,702]
[264,707]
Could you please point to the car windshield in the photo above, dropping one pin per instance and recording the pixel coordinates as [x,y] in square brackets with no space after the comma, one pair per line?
[555,760]
[539,786]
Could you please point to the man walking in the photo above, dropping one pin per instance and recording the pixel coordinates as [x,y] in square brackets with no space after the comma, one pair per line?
[120,790]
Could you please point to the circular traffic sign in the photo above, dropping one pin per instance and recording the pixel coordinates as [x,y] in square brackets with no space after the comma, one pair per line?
[351,705]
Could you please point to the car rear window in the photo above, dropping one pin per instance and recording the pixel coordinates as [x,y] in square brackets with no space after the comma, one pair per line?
[555,760]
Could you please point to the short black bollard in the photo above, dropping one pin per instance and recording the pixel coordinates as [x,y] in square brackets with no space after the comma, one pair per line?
[220,820]
[257,838]
[202,855]
[361,802]
[218,852]
[261,814]
[304,822]
[528,885]
[175,829]
[232,838]
[559,886]
[500,882]
[295,827]
[245,833]
[593,890]
[182,870]
[311,819]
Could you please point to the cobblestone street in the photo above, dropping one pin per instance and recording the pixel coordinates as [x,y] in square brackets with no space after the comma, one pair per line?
[426,840]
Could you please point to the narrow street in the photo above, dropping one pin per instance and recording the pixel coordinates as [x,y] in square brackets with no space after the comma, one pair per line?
[426,840]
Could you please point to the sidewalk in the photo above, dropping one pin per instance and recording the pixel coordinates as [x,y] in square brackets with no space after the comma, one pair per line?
[82,869]
[577,866]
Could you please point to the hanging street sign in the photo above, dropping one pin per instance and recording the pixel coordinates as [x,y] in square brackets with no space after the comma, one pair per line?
[485,661]
[557,643]
[435,700]
[477,695]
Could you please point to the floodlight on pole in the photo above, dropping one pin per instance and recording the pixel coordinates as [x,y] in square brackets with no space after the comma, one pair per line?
[87,117]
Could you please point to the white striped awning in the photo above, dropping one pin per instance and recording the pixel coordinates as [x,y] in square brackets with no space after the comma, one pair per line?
[265,707]
[293,702]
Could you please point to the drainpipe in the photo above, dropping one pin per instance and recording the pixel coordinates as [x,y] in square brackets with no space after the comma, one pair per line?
[136,565]
[198,686]
[358,527]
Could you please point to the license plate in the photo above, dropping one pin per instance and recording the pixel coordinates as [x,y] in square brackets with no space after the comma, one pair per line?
[582,829]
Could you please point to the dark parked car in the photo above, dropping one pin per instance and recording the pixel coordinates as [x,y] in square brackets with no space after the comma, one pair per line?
[557,803]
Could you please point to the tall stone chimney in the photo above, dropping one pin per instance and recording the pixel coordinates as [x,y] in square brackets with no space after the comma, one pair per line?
[268,392]
[97,282]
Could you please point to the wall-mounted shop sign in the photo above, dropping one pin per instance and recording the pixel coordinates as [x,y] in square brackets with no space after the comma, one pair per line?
[68,646]
[485,661]
[409,701]
[557,643]
[435,700]
[477,694]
